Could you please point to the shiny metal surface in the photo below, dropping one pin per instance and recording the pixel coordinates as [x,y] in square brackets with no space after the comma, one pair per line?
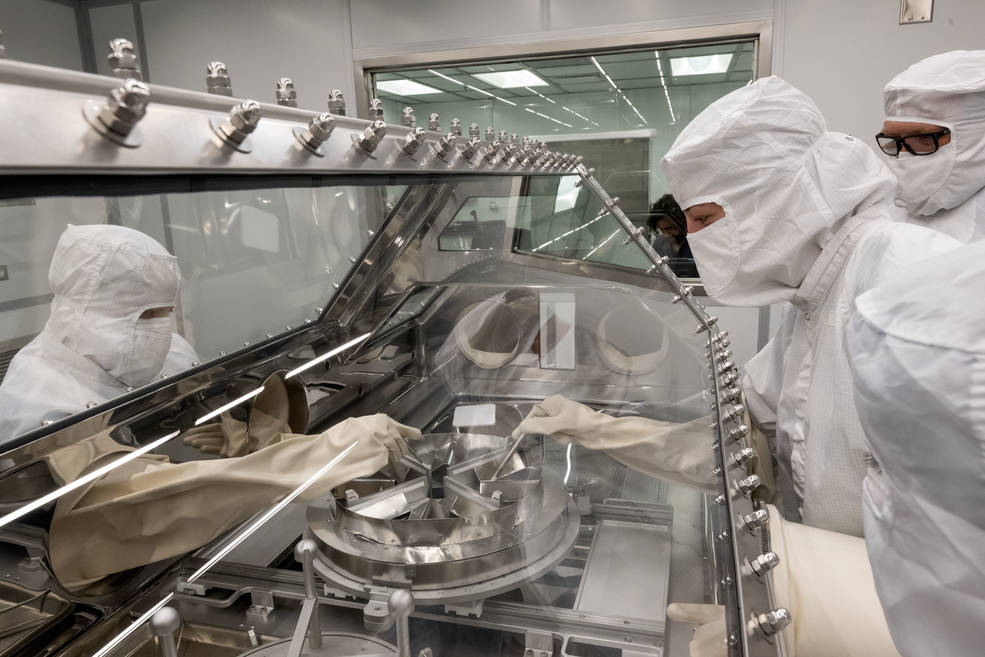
[333,645]
[454,524]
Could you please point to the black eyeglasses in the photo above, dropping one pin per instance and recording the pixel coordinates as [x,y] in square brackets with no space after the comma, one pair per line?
[923,144]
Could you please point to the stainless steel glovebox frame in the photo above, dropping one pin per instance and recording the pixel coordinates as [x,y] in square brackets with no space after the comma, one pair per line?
[177,138]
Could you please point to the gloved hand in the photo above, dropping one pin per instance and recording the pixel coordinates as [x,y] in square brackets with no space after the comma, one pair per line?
[230,437]
[709,633]
[668,450]
[824,580]
[150,509]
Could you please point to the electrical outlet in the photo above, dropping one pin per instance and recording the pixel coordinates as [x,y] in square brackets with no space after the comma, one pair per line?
[3,273]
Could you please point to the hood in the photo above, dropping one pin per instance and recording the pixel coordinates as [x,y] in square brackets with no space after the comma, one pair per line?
[918,360]
[786,183]
[103,278]
[947,90]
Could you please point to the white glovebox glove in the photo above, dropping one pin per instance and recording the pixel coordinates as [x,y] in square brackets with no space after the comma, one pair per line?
[676,451]
[824,580]
[151,509]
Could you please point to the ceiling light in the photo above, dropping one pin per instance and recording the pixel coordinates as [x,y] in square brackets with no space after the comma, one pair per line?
[442,75]
[406,88]
[483,91]
[511,79]
[663,82]
[701,65]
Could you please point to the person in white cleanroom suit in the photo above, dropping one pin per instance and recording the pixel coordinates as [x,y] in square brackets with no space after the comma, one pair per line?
[934,133]
[917,349]
[110,328]
[779,210]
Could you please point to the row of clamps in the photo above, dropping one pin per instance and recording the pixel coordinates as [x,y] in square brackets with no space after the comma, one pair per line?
[738,459]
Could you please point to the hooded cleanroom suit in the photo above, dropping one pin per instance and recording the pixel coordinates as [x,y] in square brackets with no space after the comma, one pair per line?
[944,190]
[807,221]
[94,346]
[917,349]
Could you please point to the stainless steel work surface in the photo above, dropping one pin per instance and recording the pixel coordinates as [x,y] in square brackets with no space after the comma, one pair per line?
[614,584]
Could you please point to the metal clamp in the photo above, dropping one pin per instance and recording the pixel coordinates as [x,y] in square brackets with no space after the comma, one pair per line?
[773,622]
[242,120]
[371,136]
[375,109]
[413,140]
[407,118]
[336,102]
[117,118]
[753,521]
[764,563]
[473,130]
[217,79]
[317,133]
[469,149]
[747,485]
[285,93]
[456,127]
[434,123]
[445,145]
[122,59]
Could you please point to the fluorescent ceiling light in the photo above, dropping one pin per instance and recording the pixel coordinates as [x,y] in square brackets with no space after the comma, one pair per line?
[511,79]
[702,65]
[442,75]
[483,91]
[406,88]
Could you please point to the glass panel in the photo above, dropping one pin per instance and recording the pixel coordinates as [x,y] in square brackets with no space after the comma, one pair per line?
[281,248]
[620,111]
[580,532]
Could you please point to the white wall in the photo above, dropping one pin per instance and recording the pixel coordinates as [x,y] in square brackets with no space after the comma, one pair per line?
[259,41]
[40,32]
[842,52]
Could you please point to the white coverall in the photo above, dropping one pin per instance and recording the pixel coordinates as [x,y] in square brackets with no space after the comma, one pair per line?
[807,221]
[94,347]
[944,190]
[917,348]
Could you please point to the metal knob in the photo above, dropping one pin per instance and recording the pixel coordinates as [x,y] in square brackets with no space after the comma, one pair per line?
[732,394]
[747,485]
[285,93]
[734,411]
[243,119]
[456,127]
[318,131]
[470,148]
[407,117]
[118,116]
[515,139]
[375,109]
[504,137]
[413,140]
[401,604]
[773,622]
[764,563]
[336,102]
[217,79]
[743,456]
[490,135]
[445,145]
[753,521]
[123,60]
[723,355]
[473,130]
[163,624]
[737,432]
[727,366]
[730,377]
[490,151]
[434,124]
[372,136]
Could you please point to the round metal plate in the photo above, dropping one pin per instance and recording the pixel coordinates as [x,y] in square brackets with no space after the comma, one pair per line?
[90,110]
[334,644]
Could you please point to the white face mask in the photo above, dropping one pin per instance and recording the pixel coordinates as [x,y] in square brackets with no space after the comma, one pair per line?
[922,187]
[716,253]
[143,357]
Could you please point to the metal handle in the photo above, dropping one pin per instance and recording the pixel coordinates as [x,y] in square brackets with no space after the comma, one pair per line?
[163,624]
[509,455]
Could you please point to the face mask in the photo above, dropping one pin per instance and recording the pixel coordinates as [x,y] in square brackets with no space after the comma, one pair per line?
[146,352]
[716,253]
[664,245]
[922,180]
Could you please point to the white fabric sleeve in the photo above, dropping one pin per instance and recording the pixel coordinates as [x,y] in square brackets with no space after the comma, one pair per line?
[824,579]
